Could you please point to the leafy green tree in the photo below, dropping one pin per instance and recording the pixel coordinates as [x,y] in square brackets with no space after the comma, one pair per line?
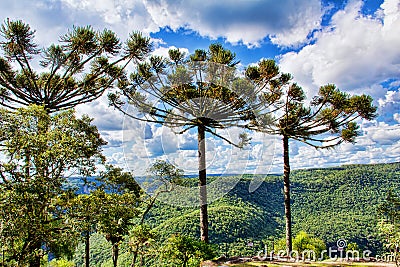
[141,240]
[184,251]
[202,92]
[39,151]
[76,71]
[115,180]
[82,212]
[117,208]
[306,245]
[390,209]
[164,177]
[329,120]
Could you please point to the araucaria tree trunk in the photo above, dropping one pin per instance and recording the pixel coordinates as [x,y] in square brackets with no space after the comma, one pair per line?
[202,183]
[286,190]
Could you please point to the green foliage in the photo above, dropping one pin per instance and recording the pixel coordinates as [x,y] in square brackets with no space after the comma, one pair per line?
[39,149]
[61,263]
[302,243]
[176,56]
[115,180]
[100,251]
[124,260]
[184,251]
[165,170]
[342,202]
[229,220]
[329,204]
[115,214]
[141,242]
[389,224]
[76,71]
[118,208]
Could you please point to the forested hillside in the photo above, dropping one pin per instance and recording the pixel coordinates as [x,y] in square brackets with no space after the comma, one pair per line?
[329,203]
[342,202]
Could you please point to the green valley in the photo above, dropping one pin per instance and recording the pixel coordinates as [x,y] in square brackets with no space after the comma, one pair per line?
[331,204]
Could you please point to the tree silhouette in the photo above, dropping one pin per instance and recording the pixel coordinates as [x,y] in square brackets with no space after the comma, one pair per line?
[202,92]
[76,71]
[329,120]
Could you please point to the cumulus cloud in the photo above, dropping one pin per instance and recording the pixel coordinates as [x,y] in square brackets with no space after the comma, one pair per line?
[40,15]
[248,22]
[163,51]
[355,51]
[123,16]
[378,143]
[389,107]
[396,117]
[53,18]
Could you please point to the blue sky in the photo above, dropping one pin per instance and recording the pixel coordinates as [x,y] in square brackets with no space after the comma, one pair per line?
[353,44]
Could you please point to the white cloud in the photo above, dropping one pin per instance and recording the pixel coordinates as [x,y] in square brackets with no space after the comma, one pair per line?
[53,18]
[163,51]
[287,22]
[241,21]
[123,16]
[390,97]
[356,52]
[379,143]
[396,117]
[385,134]
[389,107]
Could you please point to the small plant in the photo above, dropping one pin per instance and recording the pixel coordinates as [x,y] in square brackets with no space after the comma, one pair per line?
[304,244]
[184,251]
[61,263]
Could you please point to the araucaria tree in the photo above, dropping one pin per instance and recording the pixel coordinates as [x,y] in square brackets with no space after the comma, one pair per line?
[76,71]
[201,92]
[329,119]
